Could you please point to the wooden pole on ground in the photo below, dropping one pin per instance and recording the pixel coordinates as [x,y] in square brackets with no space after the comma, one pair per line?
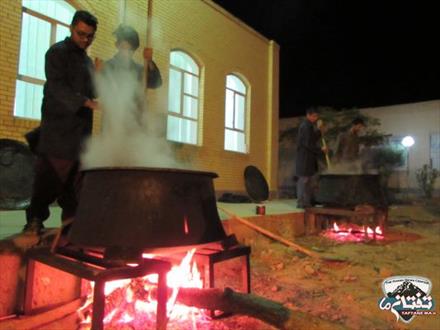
[272,235]
[37,320]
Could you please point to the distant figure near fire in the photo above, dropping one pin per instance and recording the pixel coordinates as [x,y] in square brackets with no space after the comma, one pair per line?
[348,143]
[307,155]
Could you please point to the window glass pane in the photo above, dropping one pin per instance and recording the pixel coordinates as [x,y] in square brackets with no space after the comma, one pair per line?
[239,112]
[189,131]
[35,40]
[235,141]
[241,144]
[184,61]
[62,32]
[435,150]
[175,91]
[190,107]
[191,84]
[173,128]
[233,82]
[235,114]
[181,130]
[28,99]
[57,9]
[229,140]
[229,109]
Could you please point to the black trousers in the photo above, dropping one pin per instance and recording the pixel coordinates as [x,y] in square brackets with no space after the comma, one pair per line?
[55,180]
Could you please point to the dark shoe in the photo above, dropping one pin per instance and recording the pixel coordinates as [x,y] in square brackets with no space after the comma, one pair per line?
[34,227]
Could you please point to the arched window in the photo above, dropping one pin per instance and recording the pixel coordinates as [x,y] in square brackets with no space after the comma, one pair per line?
[235,114]
[183,98]
[44,22]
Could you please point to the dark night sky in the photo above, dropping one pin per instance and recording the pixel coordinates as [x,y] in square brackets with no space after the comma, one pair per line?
[349,53]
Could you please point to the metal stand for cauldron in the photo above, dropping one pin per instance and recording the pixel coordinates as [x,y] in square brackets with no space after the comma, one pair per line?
[211,254]
[209,257]
[100,271]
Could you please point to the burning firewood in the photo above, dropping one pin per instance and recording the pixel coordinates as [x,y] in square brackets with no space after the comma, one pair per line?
[227,301]
[266,310]
[132,302]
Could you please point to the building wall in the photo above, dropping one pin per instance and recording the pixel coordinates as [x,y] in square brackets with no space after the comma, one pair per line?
[220,43]
[10,20]
[287,155]
[418,120]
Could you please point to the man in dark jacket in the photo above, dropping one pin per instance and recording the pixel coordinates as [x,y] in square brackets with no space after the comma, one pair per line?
[307,154]
[124,77]
[66,120]
[127,42]
[348,144]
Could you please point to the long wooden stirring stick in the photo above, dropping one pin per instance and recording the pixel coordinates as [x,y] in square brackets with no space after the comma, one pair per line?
[149,41]
[324,144]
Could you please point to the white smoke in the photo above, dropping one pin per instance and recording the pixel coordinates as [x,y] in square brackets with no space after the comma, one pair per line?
[355,167]
[127,137]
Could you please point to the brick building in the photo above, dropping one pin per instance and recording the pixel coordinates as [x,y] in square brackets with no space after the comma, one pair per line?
[219,45]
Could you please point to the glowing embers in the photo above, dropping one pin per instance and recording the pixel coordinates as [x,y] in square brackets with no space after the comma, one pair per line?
[353,233]
[132,303]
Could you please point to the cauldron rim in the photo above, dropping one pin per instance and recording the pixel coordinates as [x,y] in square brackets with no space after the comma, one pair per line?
[352,175]
[147,169]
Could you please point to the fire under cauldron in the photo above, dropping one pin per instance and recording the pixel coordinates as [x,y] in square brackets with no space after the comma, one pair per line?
[128,211]
[350,190]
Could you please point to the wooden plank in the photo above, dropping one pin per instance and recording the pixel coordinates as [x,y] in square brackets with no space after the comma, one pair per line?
[272,235]
[341,212]
[40,319]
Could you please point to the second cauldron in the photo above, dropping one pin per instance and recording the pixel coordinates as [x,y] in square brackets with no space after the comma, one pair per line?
[349,190]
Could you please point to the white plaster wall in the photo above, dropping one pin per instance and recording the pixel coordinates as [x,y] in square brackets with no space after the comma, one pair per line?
[416,119]
[286,156]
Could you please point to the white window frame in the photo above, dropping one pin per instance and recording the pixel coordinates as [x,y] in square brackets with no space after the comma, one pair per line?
[245,114]
[182,95]
[53,30]
[434,150]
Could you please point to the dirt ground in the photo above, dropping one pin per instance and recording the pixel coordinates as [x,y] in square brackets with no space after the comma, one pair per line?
[346,293]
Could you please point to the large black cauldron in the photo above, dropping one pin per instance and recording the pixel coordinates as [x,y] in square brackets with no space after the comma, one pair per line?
[349,190]
[146,209]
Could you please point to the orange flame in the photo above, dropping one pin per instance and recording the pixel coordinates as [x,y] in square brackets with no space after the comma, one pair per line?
[185,224]
[353,233]
[378,230]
